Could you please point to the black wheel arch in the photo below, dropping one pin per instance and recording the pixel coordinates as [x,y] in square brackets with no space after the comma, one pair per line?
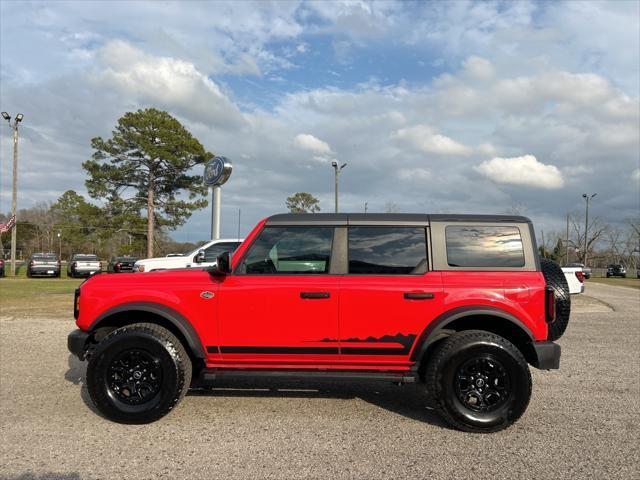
[479,317]
[158,314]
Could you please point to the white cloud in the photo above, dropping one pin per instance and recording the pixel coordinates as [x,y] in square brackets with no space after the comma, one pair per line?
[479,68]
[636,175]
[525,171]
[307,141]
[415,174]
[424,139]
[171,83]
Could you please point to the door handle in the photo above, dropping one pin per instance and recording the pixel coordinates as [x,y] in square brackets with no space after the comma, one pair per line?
[419,296]
[314,295]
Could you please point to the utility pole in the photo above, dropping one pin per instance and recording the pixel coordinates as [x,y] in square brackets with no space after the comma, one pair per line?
[14,230]
[337,170]
[366,205]
[566,262]
[586,226]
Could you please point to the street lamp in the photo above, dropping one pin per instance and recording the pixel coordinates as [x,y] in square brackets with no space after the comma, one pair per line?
[586,225]
[337,170]
[14,230]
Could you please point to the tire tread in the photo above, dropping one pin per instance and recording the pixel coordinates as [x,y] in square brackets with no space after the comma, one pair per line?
[434,366]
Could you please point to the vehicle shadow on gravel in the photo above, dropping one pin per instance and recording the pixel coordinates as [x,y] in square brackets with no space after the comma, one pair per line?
[44,476]
[77,375]
[408,400]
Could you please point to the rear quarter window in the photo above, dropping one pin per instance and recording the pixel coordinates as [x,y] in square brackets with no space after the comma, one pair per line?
[484,246]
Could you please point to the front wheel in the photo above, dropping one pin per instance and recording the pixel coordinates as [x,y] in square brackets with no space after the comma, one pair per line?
[138,373]
[478,381]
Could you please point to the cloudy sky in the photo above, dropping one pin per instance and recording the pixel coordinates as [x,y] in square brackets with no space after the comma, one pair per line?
[472,107]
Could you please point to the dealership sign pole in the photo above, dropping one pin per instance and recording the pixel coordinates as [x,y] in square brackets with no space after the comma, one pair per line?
[216,173]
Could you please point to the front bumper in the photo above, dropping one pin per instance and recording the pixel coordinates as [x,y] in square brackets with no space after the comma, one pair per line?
[76,343]
[546,355]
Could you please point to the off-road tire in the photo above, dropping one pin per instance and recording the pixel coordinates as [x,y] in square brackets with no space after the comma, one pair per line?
[556,279]
[454,353]
[168,356]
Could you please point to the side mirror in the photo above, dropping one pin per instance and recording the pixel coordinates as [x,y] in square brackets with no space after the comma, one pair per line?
[200,257]
[223,264]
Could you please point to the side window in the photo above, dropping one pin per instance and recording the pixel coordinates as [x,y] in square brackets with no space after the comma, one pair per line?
[211,253]
[387,250]
[484,246]
[289,251]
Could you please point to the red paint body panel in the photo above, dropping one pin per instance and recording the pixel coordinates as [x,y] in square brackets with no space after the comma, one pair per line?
[365,323]
[266,311]
[520,294]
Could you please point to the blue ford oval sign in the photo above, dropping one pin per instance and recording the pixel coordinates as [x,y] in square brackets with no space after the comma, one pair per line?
[217,171]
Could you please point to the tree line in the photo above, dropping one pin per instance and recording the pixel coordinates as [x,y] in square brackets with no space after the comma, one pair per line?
[142,178]
[605,243]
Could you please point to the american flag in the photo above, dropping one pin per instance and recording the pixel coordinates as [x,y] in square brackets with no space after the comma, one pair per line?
[8,225]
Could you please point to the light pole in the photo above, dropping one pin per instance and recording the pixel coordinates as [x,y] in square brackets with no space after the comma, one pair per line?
[14,230]
[586,225]
[337,170]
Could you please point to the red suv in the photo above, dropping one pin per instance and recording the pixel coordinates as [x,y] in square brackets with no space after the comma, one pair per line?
[459,303]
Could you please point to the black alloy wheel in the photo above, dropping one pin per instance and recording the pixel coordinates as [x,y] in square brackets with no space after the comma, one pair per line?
[482,384]
[478,381]
[138,373]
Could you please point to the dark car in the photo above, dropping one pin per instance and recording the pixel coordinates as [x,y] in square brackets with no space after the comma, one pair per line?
[1,267]
[586,271]
[83,265]
[121,264]
[616,270]
[43,264]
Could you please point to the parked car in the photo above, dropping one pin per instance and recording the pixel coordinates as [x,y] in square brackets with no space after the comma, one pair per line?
[616,270]
[585,270]
[121,264]
[202,257]
[83,265]
[43,264]
[461,304]
[575,279]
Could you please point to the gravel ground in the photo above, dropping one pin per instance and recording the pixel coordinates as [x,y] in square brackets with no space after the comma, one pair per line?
[582,421]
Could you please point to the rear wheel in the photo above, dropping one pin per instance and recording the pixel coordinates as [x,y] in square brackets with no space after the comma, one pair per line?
[138,373]
[478,381]
[555,278]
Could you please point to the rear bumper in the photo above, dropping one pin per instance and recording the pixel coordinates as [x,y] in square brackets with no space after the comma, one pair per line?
[86,271]
[76,343]
[546,355]
[44,270]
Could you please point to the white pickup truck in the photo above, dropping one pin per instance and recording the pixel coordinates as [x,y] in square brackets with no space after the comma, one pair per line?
[575,279]
[193,259]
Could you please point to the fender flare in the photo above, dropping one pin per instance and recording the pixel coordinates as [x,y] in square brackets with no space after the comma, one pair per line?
[176,319]
[437,329]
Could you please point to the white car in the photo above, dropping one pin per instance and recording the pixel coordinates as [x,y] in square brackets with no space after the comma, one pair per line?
[194,259]
[575,279]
